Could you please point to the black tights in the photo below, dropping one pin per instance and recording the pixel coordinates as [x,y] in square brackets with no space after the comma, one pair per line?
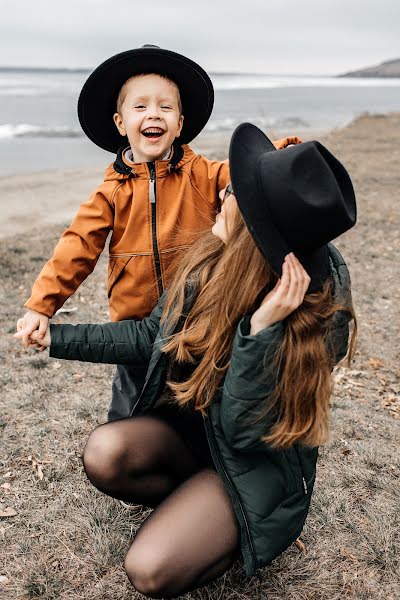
[192,536]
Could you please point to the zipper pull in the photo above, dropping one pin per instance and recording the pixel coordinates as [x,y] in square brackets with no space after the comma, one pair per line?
[152,183]
[305,487]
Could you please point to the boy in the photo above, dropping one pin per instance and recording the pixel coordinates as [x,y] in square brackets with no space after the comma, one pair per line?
[156,195]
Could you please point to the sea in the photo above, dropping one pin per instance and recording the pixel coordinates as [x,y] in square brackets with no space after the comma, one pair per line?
[39,128]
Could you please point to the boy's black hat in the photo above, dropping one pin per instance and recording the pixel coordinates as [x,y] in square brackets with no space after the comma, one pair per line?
[293,200]
[98,98]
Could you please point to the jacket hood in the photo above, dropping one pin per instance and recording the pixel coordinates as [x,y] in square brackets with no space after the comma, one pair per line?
[340,275]
[122,169]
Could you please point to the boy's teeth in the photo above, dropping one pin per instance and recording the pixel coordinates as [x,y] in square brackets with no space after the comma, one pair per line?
[153,132]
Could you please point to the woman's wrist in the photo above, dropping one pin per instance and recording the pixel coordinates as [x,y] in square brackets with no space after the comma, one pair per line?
[257,325]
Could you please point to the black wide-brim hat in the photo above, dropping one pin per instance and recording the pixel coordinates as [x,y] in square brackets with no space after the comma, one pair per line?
[98,98]
[296,199]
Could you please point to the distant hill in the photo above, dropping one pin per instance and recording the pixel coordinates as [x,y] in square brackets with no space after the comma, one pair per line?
[390,68]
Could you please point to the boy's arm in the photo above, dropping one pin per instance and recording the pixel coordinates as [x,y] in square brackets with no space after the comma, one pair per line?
[218,171]
[75,255]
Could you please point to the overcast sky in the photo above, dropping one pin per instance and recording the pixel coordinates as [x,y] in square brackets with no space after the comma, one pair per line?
[278,36]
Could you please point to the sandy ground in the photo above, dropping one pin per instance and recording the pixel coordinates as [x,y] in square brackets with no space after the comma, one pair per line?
[64,540]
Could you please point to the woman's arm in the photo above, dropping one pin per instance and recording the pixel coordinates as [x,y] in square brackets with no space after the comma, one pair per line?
[249,381]
[123,342]
[252,374]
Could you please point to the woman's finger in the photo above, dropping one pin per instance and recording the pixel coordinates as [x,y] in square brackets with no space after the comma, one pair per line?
[285,282]
[294,283]
[302,281]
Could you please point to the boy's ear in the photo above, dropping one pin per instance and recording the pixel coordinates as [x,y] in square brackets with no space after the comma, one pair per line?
[180,125]
[119,123]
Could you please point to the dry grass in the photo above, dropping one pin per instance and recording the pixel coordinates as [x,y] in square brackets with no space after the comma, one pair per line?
[68,541]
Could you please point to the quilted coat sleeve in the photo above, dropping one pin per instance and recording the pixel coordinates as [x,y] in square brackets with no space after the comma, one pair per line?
[123,342]
[251,379]
[75,255]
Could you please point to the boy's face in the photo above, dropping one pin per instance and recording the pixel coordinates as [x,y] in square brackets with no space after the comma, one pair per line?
[149,116]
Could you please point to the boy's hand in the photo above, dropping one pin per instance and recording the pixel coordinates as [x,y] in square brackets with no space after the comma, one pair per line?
[30,322]
[36,340]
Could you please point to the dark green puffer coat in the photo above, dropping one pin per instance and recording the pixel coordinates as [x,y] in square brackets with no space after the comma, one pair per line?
[270,489]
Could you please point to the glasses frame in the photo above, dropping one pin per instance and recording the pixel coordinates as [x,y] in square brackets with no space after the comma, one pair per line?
[228,192]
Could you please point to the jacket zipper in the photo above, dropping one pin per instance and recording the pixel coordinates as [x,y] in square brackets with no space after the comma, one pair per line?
[152,197]
[225,475]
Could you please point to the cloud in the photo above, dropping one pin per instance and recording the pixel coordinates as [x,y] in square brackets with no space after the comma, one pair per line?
[286,36]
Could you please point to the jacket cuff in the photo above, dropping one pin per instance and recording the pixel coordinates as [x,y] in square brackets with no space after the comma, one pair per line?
[267,334]
[251,366]
[40,308]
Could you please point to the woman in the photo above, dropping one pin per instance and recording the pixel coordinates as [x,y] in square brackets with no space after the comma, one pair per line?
[223,440]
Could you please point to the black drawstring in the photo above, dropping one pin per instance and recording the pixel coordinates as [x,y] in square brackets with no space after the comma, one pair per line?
[120,166]
[124,169]
[177,156]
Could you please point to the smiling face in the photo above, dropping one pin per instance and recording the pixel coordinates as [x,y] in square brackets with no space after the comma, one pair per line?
[149,114]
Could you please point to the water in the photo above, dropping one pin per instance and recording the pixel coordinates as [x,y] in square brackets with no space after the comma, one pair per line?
[39,128]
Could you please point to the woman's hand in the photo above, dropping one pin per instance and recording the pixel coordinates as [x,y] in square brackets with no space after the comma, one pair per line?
[286,296]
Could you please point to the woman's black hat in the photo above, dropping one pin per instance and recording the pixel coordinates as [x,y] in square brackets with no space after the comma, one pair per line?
[296,199]
[98,99]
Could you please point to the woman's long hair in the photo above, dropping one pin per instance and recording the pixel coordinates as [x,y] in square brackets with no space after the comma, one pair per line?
[224,282]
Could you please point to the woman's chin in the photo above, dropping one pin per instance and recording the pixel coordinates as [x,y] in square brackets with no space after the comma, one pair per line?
[216,230]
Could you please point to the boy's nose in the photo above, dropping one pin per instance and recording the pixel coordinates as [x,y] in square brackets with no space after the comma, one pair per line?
[154,112]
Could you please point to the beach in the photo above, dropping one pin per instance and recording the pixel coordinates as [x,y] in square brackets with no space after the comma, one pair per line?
[64,540]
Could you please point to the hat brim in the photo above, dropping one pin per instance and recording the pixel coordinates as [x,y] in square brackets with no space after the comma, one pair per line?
[97,101]
[248,145]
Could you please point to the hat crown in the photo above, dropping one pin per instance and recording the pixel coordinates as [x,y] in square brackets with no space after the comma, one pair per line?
[309,195]
[296,199]
[98,97]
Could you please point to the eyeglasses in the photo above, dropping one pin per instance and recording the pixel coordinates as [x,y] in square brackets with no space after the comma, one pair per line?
[228,191]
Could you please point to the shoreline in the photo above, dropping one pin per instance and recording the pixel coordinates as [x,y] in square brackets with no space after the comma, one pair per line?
[31,200]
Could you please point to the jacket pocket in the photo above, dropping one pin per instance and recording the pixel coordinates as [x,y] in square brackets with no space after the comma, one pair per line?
[296,468]
[116,267]
[302,471]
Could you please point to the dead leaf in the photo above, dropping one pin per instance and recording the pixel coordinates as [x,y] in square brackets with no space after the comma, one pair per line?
[39,470]
[348,554]
[37,465]
[300,545]
[6,486]
[8,512]
[66,310]
[8,474]
[4,580]
[376,363]
[356,383]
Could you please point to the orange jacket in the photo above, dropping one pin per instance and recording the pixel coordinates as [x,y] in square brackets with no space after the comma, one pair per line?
[152,222]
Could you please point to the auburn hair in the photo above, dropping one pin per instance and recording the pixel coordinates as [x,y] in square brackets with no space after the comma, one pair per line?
[214,286]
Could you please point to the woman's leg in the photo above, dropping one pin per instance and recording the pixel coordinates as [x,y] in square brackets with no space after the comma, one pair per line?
[140,460]
[189,540]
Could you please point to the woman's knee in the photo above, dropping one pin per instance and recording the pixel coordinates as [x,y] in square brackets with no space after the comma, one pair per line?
[103,455]
[149,574]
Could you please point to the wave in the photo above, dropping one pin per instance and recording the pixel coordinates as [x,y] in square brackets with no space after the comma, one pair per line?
[36,131]
[228,123]
[68,83]
[248,82]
